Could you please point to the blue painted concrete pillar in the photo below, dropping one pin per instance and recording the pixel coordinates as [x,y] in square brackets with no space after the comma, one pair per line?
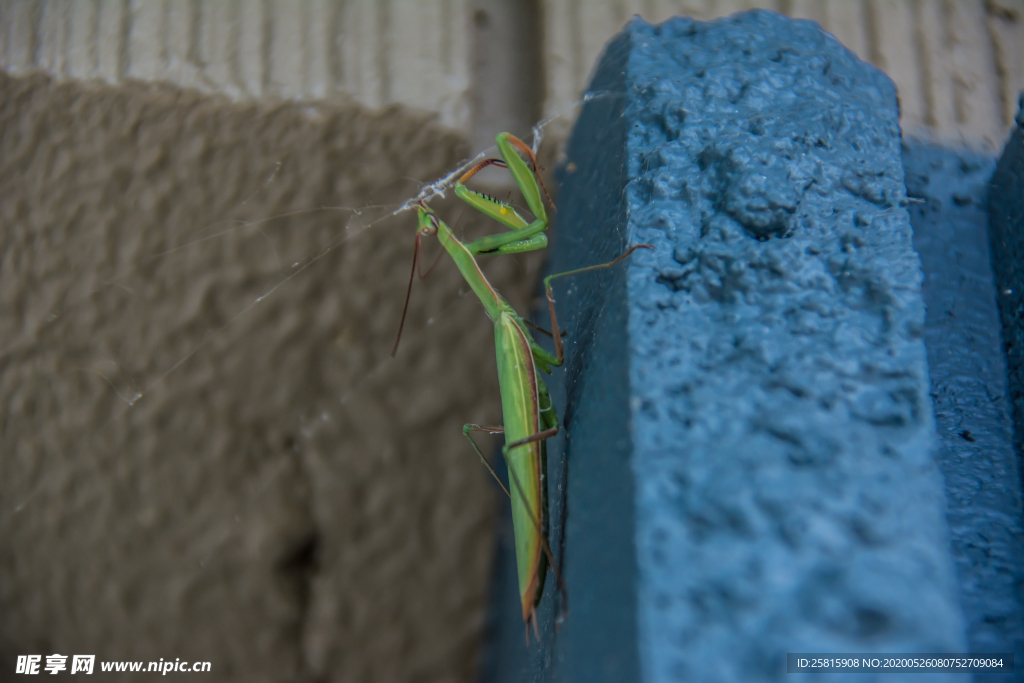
[1006,209]
[748,462]
[970,390]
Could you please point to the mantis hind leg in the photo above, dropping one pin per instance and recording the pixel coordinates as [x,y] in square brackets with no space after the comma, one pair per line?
[498,429]
[547,417]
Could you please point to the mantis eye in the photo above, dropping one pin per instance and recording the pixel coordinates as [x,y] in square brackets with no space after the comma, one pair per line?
[433,223]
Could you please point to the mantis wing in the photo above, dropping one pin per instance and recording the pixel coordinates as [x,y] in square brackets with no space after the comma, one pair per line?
[521,409]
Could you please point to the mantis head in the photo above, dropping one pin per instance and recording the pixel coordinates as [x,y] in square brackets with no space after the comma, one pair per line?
[427,225]
[426,222]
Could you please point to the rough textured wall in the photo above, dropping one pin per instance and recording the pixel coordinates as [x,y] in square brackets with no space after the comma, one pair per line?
[206,451]
[474,64]
[1006,234]
[970,391]
[1006,211]
[788,498]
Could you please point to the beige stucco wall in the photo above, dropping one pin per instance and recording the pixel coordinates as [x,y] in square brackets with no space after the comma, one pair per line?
[207,452]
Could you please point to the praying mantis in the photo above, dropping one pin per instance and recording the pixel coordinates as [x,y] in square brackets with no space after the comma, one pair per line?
[528,412]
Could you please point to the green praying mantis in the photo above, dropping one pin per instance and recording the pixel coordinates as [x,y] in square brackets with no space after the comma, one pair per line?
[529,415]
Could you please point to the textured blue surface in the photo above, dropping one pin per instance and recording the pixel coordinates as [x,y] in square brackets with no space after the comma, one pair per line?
[1006,215]
[970,391]
[1006,209]
[788,498]
[751,462]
